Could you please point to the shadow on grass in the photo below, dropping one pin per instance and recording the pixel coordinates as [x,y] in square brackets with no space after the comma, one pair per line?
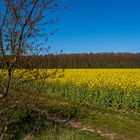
[32,125]
[29,122]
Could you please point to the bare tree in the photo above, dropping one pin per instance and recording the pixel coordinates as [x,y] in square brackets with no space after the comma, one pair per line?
[23,31]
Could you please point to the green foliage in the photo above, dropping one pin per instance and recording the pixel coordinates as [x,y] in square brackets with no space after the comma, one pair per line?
[95,97]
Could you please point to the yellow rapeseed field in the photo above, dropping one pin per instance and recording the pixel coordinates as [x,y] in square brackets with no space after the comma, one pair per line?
[124,79]
[117,88]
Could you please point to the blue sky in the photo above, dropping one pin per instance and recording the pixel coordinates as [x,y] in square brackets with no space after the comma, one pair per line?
[98,26]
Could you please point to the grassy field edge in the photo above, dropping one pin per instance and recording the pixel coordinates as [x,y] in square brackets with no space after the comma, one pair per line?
[108,123]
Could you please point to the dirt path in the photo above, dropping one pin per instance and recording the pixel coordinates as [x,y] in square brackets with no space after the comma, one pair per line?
[80,126]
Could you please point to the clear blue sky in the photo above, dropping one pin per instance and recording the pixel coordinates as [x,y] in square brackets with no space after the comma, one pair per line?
[98,26]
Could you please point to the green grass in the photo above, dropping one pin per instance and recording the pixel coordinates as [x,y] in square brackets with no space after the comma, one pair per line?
[124,125]
[35,126]
[104,122]
[59,132]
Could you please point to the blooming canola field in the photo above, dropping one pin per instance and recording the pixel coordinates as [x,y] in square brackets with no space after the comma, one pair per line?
[118,88]
[127,80]
[100,88]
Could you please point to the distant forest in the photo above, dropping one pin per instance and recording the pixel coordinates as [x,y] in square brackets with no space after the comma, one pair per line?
[99,60]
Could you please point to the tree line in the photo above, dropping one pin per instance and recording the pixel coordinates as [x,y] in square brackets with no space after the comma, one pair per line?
[85,60]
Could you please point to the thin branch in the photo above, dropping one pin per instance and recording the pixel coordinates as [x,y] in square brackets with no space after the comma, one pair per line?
[5,16]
